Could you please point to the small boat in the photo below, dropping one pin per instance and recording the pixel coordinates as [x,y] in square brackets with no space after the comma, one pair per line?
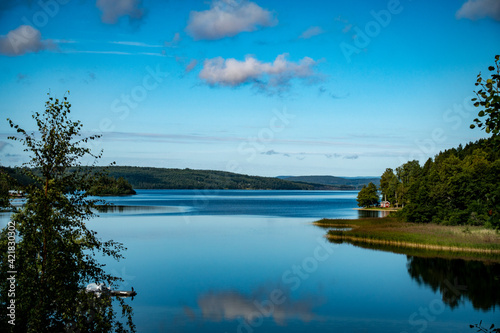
[123,293]
[99,289]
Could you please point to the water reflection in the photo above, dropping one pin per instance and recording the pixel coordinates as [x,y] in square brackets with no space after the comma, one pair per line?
[251,310]
[317,204]
[213,268]
[141,210]
[458,280]
[372,213]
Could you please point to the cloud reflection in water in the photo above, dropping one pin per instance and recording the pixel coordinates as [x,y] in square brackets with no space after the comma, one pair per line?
[275,304]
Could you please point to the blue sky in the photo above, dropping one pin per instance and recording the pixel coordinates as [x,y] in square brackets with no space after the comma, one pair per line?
[345,88]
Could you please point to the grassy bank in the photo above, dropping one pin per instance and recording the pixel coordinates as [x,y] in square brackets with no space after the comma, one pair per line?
[394,235]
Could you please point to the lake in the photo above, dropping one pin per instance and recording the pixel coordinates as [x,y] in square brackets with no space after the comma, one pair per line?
[251,261]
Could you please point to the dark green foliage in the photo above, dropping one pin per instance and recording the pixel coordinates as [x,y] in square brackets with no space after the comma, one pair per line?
[56,254]
[5,185]
[162,178]
[368,196]
[11,179]
[389,185]
[18,178]
[407,174]
[488,98]
[460,186]
[106,185]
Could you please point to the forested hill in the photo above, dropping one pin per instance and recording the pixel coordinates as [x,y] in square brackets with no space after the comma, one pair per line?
[163,178]
[348,183]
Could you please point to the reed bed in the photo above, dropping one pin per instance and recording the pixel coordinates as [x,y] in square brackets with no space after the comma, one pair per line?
[393,232]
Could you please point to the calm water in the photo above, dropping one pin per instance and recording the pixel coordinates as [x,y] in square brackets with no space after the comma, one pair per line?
[250,261]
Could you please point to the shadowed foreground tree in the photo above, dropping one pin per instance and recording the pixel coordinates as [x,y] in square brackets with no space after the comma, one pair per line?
[56,254]
[488,98]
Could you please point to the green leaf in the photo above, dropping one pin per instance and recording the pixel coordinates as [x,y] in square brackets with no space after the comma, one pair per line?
[491,68]
[481,114]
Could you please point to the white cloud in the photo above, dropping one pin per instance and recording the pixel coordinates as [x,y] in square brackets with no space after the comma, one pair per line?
[228,18]
[267,76]
[113,10]
[22,40]
[311,32]
[478,9]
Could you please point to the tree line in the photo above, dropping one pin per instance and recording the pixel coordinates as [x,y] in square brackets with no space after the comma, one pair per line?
[105,184]
[460,185]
